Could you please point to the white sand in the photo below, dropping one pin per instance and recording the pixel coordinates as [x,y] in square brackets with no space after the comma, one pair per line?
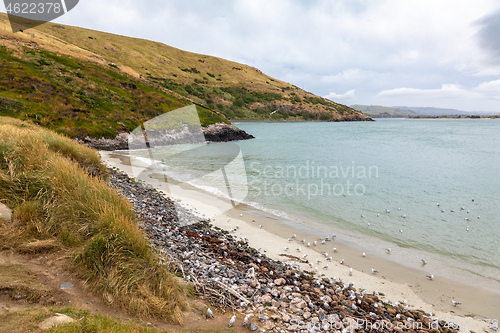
[420,293]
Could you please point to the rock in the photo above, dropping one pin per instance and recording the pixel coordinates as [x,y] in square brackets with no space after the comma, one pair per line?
[5,213]
[55,321]
[265,299]
[224,133]
[253,326]
[286,318]
[66,286]
[279,281]
[306,315]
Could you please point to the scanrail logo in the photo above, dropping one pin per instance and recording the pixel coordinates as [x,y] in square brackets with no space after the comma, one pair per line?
[25,14]
[219,167]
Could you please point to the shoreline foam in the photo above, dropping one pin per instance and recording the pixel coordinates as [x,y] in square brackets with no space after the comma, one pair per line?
[396,281]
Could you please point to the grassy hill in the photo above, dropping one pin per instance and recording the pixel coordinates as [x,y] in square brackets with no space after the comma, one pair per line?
[234,90]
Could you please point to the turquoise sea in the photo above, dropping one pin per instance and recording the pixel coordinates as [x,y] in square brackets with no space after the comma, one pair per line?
[428,187]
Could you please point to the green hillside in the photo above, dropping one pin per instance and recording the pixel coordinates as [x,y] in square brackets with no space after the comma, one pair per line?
[80,98]
[235,90]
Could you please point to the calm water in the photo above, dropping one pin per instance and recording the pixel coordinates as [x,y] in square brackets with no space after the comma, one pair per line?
[345,176]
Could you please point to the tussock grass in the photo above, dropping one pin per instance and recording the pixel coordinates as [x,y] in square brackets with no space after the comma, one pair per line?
[59,198]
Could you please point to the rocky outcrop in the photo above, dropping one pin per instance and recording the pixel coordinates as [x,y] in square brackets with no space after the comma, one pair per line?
[224,133]
[214,133]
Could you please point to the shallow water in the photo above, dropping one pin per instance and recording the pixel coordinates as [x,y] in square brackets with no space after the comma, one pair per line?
[343,177]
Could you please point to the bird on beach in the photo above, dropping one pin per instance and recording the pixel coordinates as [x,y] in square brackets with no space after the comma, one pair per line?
[210,313]
[374,271]
[294,236]
[261,226]
[286,248]
[350,271]
[325,267]
[388,250]
[455,303]
[494,327]
[424,262]
[430,277]
[245,320]
[232,321]
[342,261]
[364,254]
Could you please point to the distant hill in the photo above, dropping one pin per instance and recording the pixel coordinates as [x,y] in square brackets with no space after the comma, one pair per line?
[234,90]
[377,111]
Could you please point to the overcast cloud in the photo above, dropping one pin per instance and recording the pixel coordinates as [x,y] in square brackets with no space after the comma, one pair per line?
[435,53]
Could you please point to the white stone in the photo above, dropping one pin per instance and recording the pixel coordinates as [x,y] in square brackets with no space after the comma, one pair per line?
[5,213]
[55,321]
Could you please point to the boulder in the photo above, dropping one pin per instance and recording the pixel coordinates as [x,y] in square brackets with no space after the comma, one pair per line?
[5,213]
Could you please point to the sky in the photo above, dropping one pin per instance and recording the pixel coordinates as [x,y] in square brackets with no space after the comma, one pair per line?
[421,53]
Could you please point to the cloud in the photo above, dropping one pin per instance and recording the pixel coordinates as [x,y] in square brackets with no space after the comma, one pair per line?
[488,35]
[350,95]
[484,97]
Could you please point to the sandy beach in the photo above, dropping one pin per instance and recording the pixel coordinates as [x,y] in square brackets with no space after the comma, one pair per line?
[272,234]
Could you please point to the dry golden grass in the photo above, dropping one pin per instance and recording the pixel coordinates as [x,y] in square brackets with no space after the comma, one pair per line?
[59,198]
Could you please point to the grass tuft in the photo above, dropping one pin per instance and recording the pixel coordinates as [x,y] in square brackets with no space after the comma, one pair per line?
[59,198]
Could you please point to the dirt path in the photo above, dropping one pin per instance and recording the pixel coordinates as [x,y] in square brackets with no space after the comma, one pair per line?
[45,273]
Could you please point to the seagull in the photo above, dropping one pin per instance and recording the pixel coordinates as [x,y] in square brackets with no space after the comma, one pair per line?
[388,250]
[374,271]
[303,241]
[378,215]
[245,320]
[304,256]
[342,261]
[326,266]
[387,211]
[298,249]
[210,313]
[308,244]
[237,226]
[401,230]
[286,248]
[294,236]
[261,226]
[424,262]
[438,204]
[362,216]
[350,271]
[228,219]
[494,327]
[430,277]
[335,250]
[241,215]
[231,321]
[364,254]
[455,303]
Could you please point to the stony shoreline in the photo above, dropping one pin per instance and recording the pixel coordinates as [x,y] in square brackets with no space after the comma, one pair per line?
[233,276]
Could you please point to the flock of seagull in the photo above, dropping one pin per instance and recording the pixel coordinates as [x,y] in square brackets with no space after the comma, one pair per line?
[330,258]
